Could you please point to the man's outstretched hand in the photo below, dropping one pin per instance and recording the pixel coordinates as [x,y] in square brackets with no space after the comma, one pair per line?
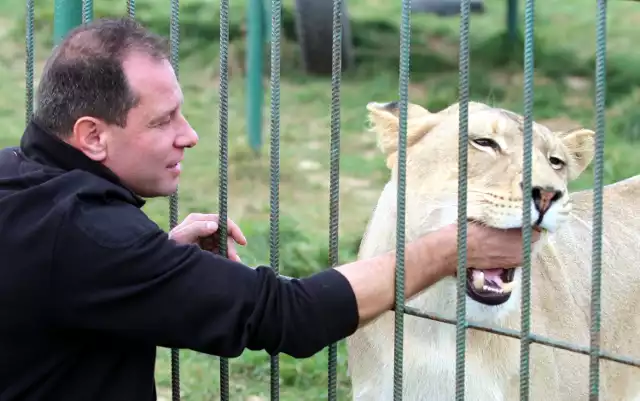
[202,229]
[490,248]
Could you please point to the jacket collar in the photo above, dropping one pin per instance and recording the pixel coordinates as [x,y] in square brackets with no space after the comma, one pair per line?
[45,148]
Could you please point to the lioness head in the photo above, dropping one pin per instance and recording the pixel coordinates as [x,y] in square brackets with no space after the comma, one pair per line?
[495,167]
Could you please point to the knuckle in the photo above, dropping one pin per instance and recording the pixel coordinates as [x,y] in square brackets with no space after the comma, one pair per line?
[201,216]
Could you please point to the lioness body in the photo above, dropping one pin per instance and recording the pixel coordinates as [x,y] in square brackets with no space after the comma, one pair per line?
[560,268]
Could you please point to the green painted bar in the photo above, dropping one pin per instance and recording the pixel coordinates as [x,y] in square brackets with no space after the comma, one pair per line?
[254,67]
[67,15]
[87,11]
[512,20]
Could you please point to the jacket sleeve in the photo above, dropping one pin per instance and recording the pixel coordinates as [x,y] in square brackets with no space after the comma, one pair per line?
[116,272]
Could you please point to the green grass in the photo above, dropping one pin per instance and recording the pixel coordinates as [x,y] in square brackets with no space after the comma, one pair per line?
[565,46]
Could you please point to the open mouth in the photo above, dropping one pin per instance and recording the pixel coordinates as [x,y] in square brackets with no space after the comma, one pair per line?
[490,286]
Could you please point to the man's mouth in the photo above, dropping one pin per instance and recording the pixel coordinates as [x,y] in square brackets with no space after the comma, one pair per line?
[175,167]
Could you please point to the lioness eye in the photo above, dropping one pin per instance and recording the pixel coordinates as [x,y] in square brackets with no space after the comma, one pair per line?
[556,163]
[487,143]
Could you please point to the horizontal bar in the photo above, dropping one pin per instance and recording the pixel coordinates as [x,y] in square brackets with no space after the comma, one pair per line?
[534,338]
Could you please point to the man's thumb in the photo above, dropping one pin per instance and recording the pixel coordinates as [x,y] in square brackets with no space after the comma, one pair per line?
[200,229]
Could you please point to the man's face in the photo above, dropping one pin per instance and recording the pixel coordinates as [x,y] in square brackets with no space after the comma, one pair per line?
[146,154]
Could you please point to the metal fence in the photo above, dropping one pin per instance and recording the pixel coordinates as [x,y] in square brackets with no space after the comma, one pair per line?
[67,16]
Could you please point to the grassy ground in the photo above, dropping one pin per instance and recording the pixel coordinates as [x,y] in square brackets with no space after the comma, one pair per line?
[563,98]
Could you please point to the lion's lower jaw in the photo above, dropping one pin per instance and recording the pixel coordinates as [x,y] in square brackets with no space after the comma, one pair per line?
[441,299]
[430,350]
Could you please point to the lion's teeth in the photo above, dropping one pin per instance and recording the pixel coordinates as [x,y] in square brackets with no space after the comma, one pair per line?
[507,287]
[492,289]
[479,284]
[478,280]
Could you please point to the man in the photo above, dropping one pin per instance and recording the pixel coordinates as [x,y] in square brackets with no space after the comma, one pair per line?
[89,286]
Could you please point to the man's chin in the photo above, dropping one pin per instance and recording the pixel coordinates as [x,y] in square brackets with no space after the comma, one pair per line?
[164,193]
[157,192]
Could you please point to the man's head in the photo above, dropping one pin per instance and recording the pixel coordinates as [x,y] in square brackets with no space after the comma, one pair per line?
[109,90]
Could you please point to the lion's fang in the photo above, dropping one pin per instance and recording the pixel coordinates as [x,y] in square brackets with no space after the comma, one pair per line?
[478,280]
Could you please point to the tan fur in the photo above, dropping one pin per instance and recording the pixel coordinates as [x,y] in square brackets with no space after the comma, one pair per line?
[561,265]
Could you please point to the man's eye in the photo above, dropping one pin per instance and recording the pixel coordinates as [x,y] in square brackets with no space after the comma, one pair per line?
[162,122]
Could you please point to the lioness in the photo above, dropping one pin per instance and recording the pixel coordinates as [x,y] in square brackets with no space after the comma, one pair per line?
[560,270]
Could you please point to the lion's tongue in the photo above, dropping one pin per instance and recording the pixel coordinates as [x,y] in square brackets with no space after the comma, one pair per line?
[491,276]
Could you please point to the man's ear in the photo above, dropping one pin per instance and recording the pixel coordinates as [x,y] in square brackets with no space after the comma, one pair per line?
[384,119]
[580,144]
[89,136]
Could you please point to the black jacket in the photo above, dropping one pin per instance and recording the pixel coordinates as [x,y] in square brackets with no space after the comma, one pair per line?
[89,286]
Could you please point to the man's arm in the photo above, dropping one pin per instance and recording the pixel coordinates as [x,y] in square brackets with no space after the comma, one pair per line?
[115,272]
[427,260]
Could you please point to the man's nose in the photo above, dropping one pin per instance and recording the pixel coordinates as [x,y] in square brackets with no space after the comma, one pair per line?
[187,138]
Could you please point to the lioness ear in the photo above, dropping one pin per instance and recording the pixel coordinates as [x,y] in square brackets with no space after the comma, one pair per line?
[385,121]
[580,144]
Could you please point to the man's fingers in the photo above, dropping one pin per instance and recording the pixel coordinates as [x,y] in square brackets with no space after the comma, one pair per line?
[211,244]
[189,233]
[232,252]
[235,233]
[198,229]
[193,217]
[201,229]
[497,248]
[233,230]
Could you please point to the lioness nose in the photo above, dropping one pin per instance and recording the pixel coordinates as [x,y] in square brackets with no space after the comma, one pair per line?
[543,197]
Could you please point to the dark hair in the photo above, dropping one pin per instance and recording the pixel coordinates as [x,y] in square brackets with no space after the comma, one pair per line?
[84,74]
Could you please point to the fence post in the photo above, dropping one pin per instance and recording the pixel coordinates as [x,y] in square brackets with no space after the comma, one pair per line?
[67,15]
[256,37]
[512,20]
